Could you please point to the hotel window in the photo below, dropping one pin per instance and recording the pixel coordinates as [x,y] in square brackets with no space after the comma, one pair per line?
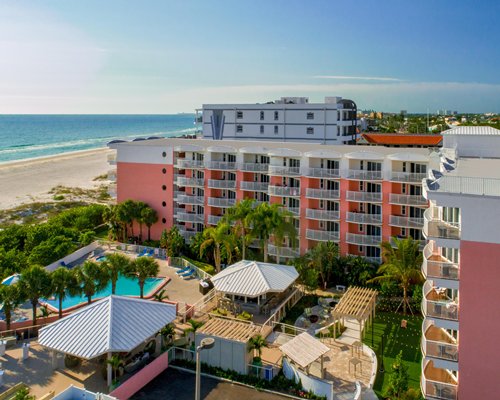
[310,115]
[338,130]
[310,131]
[163,203]
[403,232]
[262,115]
[403,210]
[361,228]
[276,115]
[164,170]
[338,115]
[164,154]
[239,128]
[164,187]
[262,129]
[239,114]
[275,129]
[164,220]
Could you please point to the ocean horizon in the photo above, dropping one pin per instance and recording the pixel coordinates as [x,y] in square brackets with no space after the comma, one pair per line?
[26,136]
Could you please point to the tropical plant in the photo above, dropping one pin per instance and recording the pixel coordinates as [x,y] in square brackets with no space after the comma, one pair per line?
[36,283]
[242,215]
[92,278]
[115,264]
[143,268]
[321,259]
[125,216]
[401,264]
[161,295]
[116,362]
[64,282]
[256,344]
[167,333]
[23,394]
[172,241]
[359,271]
[115,231]
[139,207]
[44,313]
[398,378]
[219,237]
[10,297]
[194,326]
[149,217]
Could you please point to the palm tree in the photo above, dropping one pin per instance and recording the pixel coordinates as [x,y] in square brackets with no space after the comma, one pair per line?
[110,216]
[116,362]
[401,264]
[321,259]
[125,215]
[64,282]
[242,215]
[161,295]
[36,283]
[150,217]
[257,343]
[138,208]
[195,325]
[10,297]
[219,237]
[115,264]
[143,268]
[92,278]
[167,332]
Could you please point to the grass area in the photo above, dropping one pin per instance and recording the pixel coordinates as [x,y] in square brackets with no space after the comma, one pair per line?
[209,269]
[297,310]
[388,325]
[37,212]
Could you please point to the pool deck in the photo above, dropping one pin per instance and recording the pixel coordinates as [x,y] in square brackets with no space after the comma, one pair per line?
[178,289]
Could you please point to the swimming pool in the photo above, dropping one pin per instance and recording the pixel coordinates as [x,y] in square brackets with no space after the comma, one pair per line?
[125,286]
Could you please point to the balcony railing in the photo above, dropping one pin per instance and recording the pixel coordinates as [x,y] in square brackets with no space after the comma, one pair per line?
[284,252]
[371,197]
[322,236]
[186,234]
[190,217]
[406,222]
[407,176]
[362,218]
[438,305]
[437,267]
[434,227]
[294,210]
[407,200]
[284,191]
[366,240]
[375,260]
[437,383]
[183,163]
[187,199]
[221,202]
[214,219]
[111,159]
[221,165]
[112,190]
[421,243]
[221,184]
[437,343]
[284,171]
[322,173]
[253,167]
[112,175]
[322,194]
[364,175]
[254,186]
[190,182]
[322,215]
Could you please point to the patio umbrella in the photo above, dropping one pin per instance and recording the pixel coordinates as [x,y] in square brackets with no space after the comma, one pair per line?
[10,280]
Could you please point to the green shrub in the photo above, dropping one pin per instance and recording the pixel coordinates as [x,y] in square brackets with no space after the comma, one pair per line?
[58,197]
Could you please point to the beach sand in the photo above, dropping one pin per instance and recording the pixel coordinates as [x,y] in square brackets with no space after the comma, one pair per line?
[27,181]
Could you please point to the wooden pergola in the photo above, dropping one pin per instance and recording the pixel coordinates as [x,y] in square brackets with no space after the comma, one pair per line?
[357,303]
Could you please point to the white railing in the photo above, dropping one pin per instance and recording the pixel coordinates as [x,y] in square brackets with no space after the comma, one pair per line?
[322,173]
[362,218]
[201,307]
[190,182]
[285,252]
[112,175]
[375,260]
[322,236]
[466,185]
[438,269]
[187,235]
[179,262]
[373,197]
[407,176]
[294,210]
[433,389]
[443,349]
[360,239]
[409,222]
[322,194]
[112,190]
[253,167]
[221,165]
[111,159]
[279,313]
[254,186]
[221,202]
[284,191]
[436,227]
[214,219]
[443,309]
[188,199]
[221,184]
[363,175]
[322,215]
[184,163]
[407,199]
[190,217]
[279,170]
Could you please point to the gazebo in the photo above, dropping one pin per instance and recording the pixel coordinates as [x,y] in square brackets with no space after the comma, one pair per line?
[357,303]
[115,324]
[250,282]
[303,350]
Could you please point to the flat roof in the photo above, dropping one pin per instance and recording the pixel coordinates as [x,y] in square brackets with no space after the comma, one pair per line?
[402,139]
[230,329]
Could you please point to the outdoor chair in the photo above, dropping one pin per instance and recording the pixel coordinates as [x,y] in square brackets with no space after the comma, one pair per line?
[308,312]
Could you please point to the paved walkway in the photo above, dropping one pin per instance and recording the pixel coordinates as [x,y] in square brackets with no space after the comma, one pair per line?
[178,289]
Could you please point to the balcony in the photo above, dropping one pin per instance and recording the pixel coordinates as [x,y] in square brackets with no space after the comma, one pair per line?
[435,266]
[190,217]
[214,219]
[322,236]
[111,159]
[183,163]
[112,190]
[284,171]
[221,202]
[112,175]
[324,194]
[283,252]
[254,186]
[374,260]
[408,200]
[322,173]
[253,167]
[221,184]
[190,182]
[322,215]
[188,199]
[221,165]
[435,227]
[407,176]
[436,304]
[364,240]
[437,383]
[362,218]
[363,175]
[284,191]
[406,222]
[370,197]
[437,343]
[186,234]
[295,211]
[421,243]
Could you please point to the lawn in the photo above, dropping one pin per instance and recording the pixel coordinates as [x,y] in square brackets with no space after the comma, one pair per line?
[396,339]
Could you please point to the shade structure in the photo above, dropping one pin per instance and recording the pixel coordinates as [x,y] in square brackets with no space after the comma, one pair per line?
[252,278]
[10,280]
[114,324]
[304,349]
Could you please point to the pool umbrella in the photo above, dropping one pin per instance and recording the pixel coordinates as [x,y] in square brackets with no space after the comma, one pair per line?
[10,280]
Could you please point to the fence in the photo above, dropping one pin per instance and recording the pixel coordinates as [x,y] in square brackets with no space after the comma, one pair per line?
[178,262]
[279,313]
[200,307]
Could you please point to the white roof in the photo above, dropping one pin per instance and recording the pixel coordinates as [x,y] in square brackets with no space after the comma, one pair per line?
[416,157]
[252,278]
[364,155]
[472,130]
[221,149]
[304,349]
[323,154]
[114,324]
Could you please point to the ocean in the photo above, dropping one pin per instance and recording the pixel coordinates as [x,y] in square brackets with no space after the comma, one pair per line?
[30,136]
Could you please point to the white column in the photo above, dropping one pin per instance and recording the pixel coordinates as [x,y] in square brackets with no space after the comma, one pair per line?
[110,371]
[54,359]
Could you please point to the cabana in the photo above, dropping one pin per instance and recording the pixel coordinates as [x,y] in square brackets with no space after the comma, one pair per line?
[251,283]
[357,303]
[115,324]
[303,350]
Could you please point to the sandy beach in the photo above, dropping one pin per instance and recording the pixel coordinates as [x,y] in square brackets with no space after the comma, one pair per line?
[31,180]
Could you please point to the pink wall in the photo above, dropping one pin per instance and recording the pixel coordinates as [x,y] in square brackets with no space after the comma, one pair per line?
[344,226]
[386,210]
[479,318]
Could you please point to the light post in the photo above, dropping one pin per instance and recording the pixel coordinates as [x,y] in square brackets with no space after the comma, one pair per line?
[205,344]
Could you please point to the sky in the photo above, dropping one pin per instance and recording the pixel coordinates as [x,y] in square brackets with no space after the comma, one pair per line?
[162,56]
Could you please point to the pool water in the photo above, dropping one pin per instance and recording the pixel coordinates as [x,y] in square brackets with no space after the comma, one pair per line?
[101,258]
[125,286]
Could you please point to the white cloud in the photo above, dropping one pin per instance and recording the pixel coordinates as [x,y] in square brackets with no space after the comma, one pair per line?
[358,78]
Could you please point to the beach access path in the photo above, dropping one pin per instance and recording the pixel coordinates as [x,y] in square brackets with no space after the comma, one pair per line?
[28,181]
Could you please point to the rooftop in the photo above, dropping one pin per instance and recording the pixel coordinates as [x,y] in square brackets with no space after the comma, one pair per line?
[472,130]
[304,349]
[230,329]
[398,139]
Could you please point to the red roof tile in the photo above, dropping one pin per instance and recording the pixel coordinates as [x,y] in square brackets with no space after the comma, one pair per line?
[392,139]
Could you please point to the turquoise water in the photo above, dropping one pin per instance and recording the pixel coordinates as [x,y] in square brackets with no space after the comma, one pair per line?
[125,286]
[28,136]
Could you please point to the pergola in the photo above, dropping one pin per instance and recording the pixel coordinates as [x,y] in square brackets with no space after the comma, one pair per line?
[357,303]
[115,324]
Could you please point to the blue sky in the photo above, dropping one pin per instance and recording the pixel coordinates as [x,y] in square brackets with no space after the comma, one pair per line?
[61,56]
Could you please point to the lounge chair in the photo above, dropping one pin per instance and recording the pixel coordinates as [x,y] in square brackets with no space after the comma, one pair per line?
[142,253]
[188,274]
[183,270]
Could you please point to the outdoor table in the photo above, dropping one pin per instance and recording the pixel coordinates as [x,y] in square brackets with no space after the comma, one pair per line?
[355,362]
[357,345]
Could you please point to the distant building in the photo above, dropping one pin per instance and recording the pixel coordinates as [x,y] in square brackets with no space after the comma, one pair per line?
[399,140]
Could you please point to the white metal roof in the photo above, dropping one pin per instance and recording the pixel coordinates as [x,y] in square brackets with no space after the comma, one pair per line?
[364,155]
[416,157]
[323,154]
[254,150]
[472,130]
[221,149]
[304,349]
[252,278]
[284,152]
[113,324]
